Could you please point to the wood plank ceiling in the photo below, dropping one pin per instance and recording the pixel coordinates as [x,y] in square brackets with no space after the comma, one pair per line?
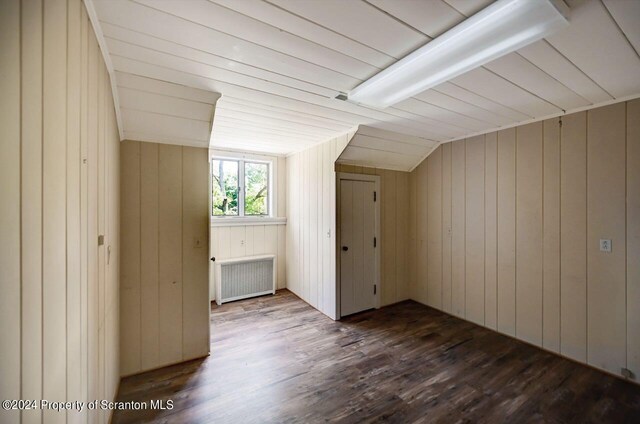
[279,65]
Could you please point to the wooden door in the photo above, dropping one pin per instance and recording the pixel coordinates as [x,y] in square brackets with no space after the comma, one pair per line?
[357,246]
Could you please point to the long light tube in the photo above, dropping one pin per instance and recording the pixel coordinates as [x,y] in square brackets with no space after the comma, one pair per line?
[498,29]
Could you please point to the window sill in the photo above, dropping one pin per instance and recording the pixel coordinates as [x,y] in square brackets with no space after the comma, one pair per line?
[246,221]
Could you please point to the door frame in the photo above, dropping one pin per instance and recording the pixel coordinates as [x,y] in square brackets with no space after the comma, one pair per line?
[377,272]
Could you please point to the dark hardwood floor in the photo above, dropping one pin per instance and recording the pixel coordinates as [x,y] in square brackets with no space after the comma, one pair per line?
[277,360]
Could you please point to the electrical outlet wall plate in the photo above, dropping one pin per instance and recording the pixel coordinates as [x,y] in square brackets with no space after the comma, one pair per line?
[605,245]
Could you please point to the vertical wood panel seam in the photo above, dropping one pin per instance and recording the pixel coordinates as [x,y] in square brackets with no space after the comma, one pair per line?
[19,206]
[497,156]
[139,149]
[515,232]
[182,250]
[543,227]
[79,164]
[497,229]
[84,110]
[66,200]
[451,226]
[484,230]
[586,247]
[105,228]
[441,232]
[42,200]
[464,239]
[626,233]
[157,242]
[560,234]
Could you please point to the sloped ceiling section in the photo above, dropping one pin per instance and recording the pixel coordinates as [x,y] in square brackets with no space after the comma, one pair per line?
[376,148]
[163,112]
[280,64]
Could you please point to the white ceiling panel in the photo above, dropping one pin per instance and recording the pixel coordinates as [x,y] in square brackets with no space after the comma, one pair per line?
[282,115]
[432,18]
[168,89]
[306,29]
[279,64]
[155,57]
[156,123]
[476,99]
[626,13]
[377,148]
[124,42]
[160,137]
[131,98]
[361,22]
[260,88]
[552,62]
[454,104]
[269,122]
[469,7]
[392,135]
[520,71]
[353,155]
[383,145]
[227,21]
[453,121]
[136,17]
[249,122]
[164,111]
[595,44]
[503,91]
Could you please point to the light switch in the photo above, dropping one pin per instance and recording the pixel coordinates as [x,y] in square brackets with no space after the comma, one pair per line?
[605,245]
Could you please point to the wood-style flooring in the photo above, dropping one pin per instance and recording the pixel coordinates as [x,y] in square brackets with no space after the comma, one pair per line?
[277,360]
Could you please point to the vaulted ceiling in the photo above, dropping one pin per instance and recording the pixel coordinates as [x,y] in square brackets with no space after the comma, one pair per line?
[279,64]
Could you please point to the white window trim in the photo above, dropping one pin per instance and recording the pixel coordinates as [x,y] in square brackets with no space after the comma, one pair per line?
[236,221]
[241,219]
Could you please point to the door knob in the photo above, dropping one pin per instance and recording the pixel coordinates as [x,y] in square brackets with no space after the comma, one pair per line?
[345,248]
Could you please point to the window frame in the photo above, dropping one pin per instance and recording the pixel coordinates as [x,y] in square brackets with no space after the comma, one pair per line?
[242,159]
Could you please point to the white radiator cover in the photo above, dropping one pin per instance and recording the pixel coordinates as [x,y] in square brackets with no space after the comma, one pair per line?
[241,278]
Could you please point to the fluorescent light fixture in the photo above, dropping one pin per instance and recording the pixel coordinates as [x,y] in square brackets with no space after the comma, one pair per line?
[498,29]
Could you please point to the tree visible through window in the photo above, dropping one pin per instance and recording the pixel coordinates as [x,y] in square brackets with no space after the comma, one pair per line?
[256,182]
[231,199]
[225,187]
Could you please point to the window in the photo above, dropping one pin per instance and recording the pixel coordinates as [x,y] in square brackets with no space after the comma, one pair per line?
[225,187]
[240,188]
[256,183]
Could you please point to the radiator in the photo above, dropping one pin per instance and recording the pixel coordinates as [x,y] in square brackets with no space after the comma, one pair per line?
[241,278]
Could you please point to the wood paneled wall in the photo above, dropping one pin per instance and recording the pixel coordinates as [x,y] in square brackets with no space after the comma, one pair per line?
[310,230]
[505,232]
[164,286]
[394,228]
[59,165]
